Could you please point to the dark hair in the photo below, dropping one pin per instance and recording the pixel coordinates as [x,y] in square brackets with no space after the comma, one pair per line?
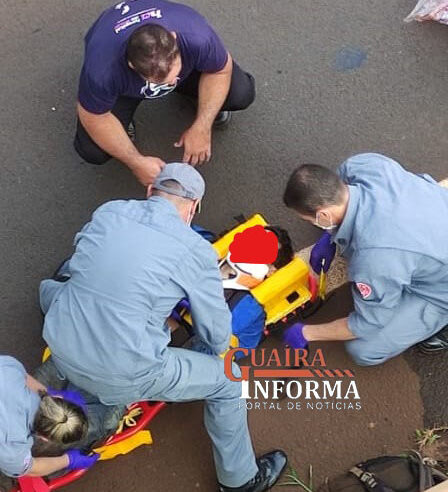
[285,249]
[59,420]
[152,50]
[312,187]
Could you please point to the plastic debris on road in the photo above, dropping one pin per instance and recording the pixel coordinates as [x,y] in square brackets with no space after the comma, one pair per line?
[429,10]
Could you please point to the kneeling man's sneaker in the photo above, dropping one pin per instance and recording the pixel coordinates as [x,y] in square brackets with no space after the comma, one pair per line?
[222,119]
[436,343]
[270,467]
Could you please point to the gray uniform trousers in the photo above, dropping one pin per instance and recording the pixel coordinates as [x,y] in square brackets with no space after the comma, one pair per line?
[190,376]
[415,319]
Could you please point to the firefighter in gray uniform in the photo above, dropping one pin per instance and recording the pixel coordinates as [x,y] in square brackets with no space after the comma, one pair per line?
[392,227]
[106,324]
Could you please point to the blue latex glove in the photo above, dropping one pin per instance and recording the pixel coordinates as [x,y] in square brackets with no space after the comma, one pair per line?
[293,336]
[79,461]
[324,249]
[71,396]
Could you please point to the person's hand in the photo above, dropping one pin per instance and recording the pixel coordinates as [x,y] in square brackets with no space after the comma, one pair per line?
[178,310]
[147,168]
[78,460]
[34,385]
[322,254]
[197,144]
[293,336]
[71,396]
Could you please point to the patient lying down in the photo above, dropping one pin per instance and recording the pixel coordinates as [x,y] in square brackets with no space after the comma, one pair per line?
[248,316]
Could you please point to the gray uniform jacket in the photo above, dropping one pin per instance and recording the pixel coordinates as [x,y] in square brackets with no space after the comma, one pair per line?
[18,407]
[395,237]
[133,262]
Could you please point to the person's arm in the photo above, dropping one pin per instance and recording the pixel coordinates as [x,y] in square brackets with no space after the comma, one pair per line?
[211,316]
[213,90]
[108,133]
[379,277]
[335,330]
[73,459]
[34,385]
[46,466]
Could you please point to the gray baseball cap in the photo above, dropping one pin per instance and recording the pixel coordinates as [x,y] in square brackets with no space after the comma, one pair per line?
[186,175]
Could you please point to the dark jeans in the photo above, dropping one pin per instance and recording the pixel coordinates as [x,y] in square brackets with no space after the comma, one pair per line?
[6,483]
[241,95]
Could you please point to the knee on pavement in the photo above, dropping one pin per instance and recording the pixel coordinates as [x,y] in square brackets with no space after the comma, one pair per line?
[241,97]
[91,153]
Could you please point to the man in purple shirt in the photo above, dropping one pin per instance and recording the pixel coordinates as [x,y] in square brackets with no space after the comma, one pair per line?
[145,49]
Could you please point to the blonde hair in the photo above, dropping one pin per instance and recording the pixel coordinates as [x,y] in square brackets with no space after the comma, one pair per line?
[59,420]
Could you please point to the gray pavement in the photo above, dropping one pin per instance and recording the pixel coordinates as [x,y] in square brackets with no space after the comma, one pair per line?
[310,108]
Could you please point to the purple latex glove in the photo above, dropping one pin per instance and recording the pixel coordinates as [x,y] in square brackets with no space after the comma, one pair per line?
[323,250]
[180,306]
[71,396]
[79,461]
[293,336]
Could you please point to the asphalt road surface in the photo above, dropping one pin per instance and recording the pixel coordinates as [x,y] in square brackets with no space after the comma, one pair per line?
[333,79]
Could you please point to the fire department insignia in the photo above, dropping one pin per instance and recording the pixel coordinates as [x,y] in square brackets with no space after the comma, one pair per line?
[364,289]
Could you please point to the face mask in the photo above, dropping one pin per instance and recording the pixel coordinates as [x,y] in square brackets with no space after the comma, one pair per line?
[325,228]
[192,213]
[190,219]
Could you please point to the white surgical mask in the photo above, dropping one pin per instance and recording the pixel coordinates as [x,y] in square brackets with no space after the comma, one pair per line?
[325,228]
[190,218]
[193,213]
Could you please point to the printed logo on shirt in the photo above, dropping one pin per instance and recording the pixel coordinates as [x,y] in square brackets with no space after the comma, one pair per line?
[151,91]
[137,18]
[124,7]
[364,289]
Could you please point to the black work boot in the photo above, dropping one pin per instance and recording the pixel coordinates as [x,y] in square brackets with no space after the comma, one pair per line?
[436,343]
[270,467]
[222,119]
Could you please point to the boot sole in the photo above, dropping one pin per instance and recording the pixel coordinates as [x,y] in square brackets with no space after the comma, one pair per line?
[427,351]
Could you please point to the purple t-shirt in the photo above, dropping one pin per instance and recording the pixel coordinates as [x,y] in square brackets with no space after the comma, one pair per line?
[106,75]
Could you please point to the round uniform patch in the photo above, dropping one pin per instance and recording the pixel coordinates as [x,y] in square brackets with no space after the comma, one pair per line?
[364,289]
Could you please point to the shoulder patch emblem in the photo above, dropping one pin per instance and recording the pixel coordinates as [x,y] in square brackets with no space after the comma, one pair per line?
[364,289]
